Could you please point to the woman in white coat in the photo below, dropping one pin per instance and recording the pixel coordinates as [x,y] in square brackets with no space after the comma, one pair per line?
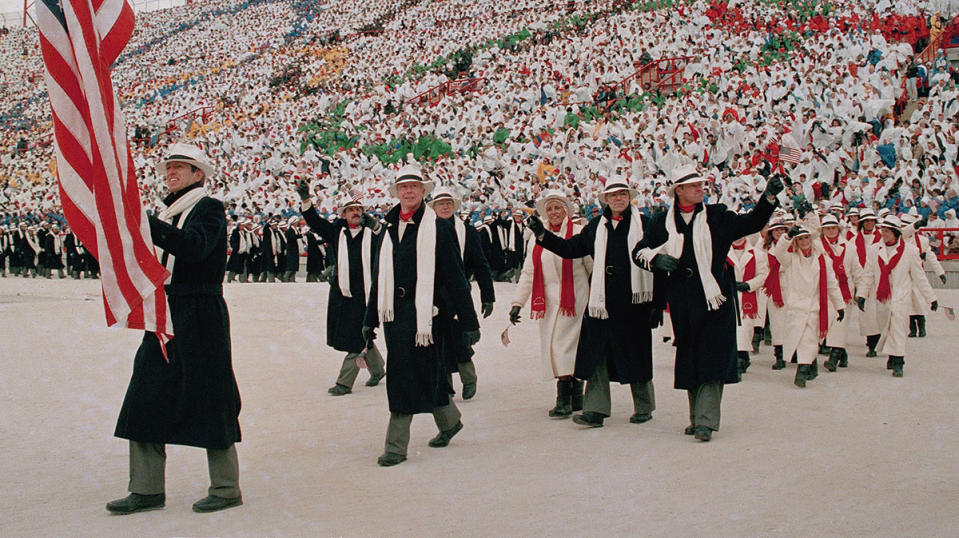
[558,291]
[917,317]
[750,267]
[892,271]
[841,256]
[812,298]
[772,289]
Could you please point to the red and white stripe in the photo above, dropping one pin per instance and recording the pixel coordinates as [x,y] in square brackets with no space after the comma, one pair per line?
[790,155]
[80,39]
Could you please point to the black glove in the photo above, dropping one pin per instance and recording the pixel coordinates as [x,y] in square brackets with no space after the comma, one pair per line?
[664,263]
[861,303]
[934,306]
[942,278]
[774,186]
[369,221]
[487,309]
[920,223]
[303,189]
[514,314]
[842,314]
[804,208]
[655,317]
[536,226]
[742,286]
[793,232]
[369,334]
[471,337]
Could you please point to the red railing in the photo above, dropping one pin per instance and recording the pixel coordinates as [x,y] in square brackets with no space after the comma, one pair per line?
[664,74]
[203,112]
[436,93]
[944,242]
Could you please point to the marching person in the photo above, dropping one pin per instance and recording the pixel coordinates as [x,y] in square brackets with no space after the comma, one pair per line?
[315,256]
[192,398]
[773,290]
[917,317]
[460,356]
[269,249]
[238,251]
[867,235]
[418,273]
[291,249]
[492,248]
[812,299]
[749,269]
[615,342]
[892,271]
[353,238]
[510,231]
[687,248]
[839,254]
[557,289]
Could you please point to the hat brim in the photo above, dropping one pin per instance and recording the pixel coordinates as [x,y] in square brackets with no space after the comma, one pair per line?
[632,193]
[427,186]
[541,205]
[456,203]
[206,167]
[341,209]
[672,188]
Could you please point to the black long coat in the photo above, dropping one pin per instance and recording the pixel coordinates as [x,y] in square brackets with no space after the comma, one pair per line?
[416,376]
[491,247]
[475,265]
[624,339]
[237,260]
[314,255]
[193,399]
[705,339]
[267,259]
[344,315]
[291,250]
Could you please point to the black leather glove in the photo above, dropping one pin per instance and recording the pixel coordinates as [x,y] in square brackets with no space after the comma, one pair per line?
[934,306]
[655,317]
[861,303]
[920,223]
[369,221]
[514,314]
[471,337]
[793,232]
[303,190]
[536,226]
[487,309]
[842,314]
[742,286]
[942,278]
[774,186]
[369,334]
[664,263]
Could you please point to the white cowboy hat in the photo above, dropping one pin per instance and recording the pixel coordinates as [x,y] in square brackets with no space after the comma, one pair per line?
[684,175]
[408,173]
[346,201]
[553,194]
[616,184]
[186,153]
[446,193]
[891,221]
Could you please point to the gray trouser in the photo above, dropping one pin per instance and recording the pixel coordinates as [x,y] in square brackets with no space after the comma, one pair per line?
[704,404]
[467,371]
[597,398]
[148,463]
[349,370]
[398,432]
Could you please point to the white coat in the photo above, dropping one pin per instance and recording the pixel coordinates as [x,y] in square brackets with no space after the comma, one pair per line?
[893,315]
[740,259]
[929,263]
[839,330]
[801,294]
[868,320]
[776,314]
[558,334]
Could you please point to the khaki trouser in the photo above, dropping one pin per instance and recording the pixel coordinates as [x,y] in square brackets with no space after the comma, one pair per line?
[704,405]
[148,463]
[398,431]
[597,398]
[350,370]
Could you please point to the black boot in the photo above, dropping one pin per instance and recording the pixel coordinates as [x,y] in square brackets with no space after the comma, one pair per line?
[757,338]
[767,335]
[843,358]
[564,407]
[577,395]
[913,326]
[889,363]
[871,341]
[897,363]
[802,375]
[589,418]
[794,359]
[921,324]
[814,369]
[823,349]
[833,361]
[780,363]
[743,362]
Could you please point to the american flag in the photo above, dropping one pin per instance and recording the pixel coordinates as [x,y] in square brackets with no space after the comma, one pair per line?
[80,39]
[789,154]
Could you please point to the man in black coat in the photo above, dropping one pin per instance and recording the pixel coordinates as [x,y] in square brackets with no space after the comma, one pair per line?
[510,232]
[269,247]
[358,233]
[489,239]
[315,253]
[190,397]
[418,274]
[459,357]
[615,342]
[291,249]
[238,252]
[691,239]
[72,255]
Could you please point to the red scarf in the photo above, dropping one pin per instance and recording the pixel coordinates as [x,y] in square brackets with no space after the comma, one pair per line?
[567,296]
[823,302]
[839,269]
[749,304]
[774,289]
[861,245]
[885,290]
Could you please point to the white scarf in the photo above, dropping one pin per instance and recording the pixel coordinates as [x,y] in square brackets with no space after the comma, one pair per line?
[32,240]
[343,261]
[244,245]
[507,238]
[702,248]
[640,280]
[425,273]
[182,206]
[460,235]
